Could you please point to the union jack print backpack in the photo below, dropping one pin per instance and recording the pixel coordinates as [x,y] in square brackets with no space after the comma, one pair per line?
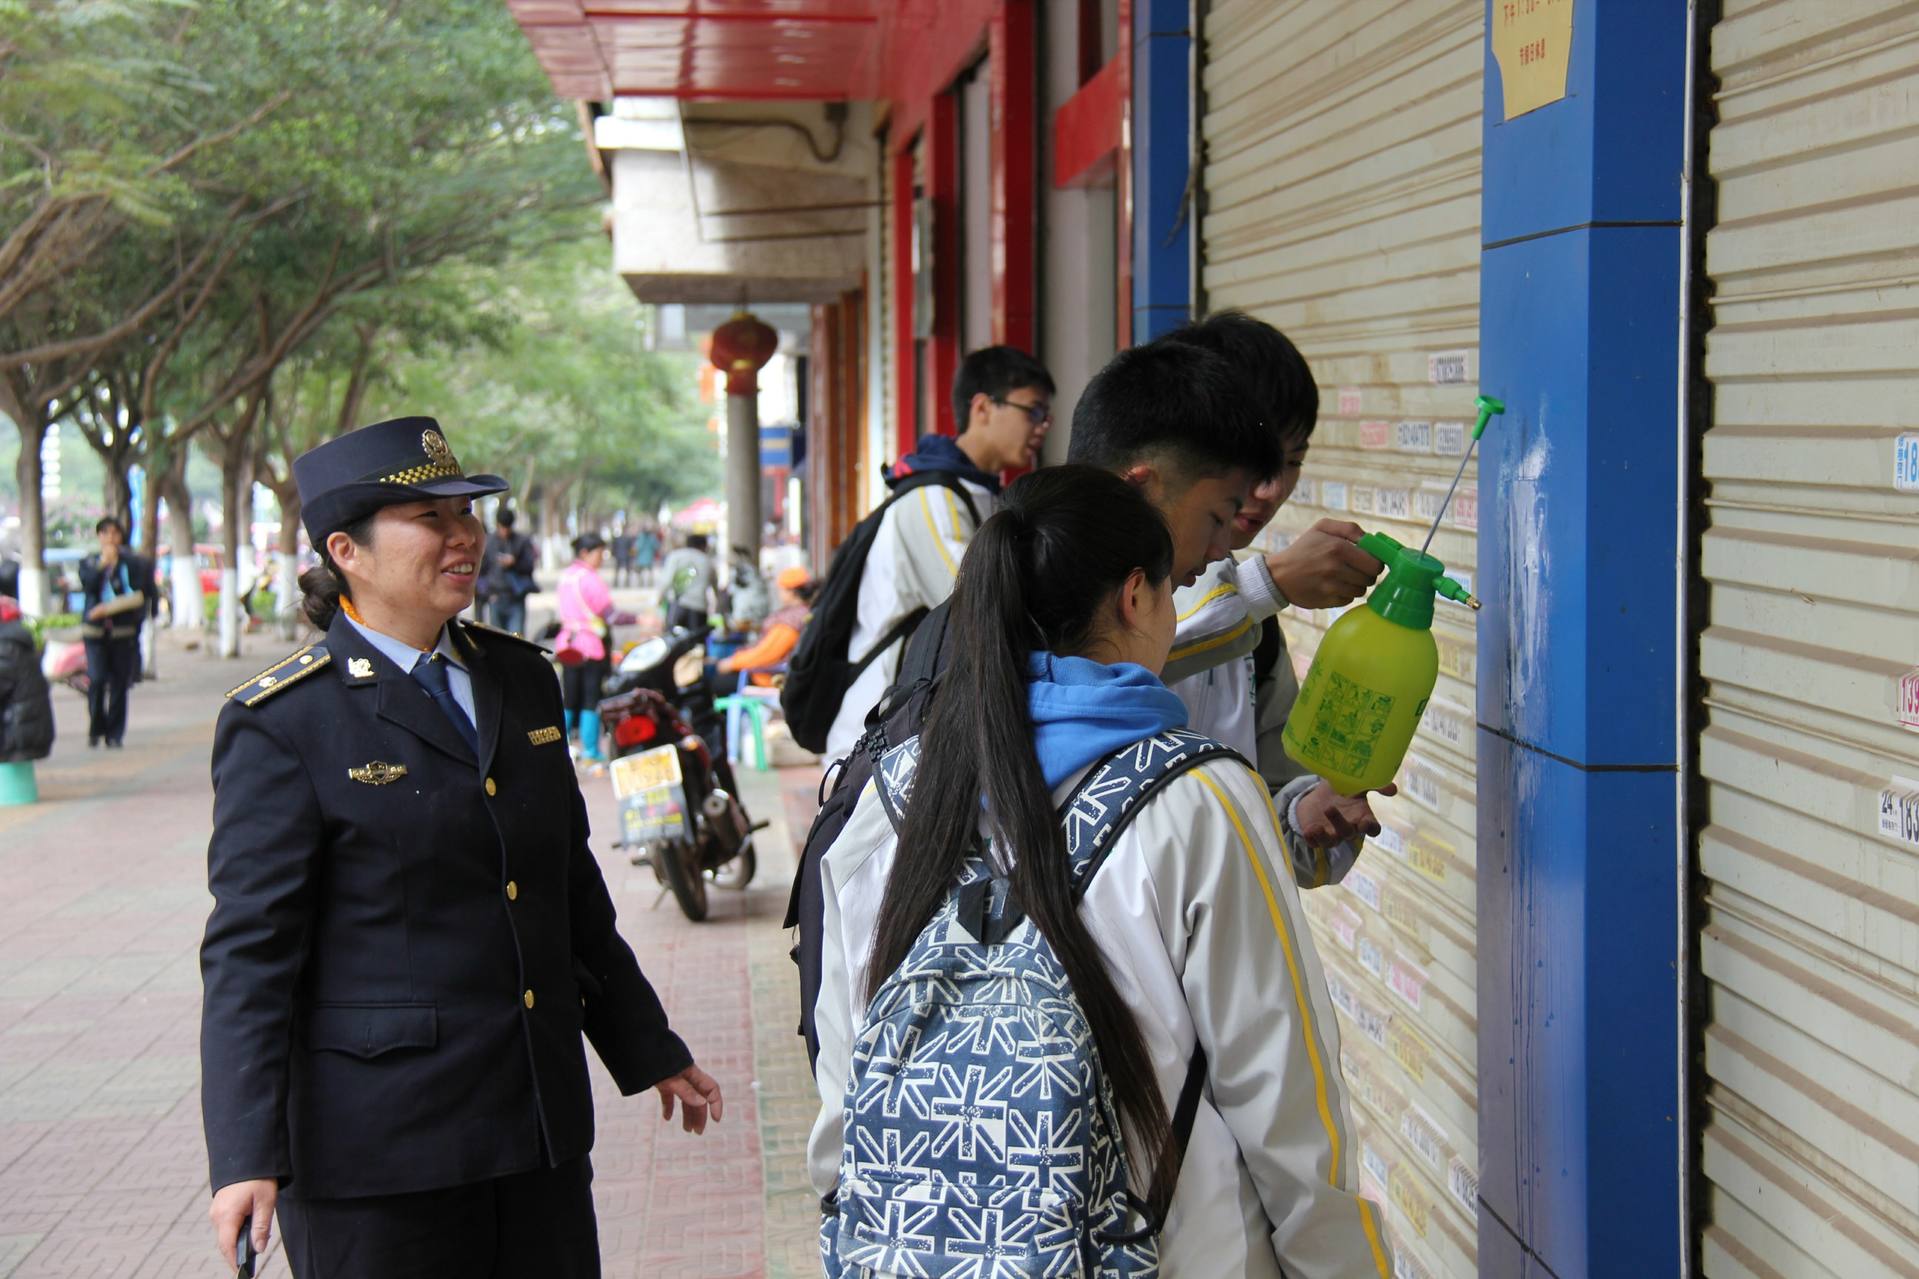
[982,1140]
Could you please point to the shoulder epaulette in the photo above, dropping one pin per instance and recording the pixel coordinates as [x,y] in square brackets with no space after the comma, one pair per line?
[495,633]
[288,670]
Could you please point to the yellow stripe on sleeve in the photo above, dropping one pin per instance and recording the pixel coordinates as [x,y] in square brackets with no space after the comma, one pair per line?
[1181,654]
[1368,1215]
[1223,589]
[939,540]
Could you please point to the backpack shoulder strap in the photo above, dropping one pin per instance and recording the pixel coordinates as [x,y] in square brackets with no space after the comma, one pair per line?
[893,775]
[1107,799]
[945,479]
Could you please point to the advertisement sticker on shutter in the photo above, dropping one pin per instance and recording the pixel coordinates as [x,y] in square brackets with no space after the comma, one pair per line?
[1449,438]
[1413,437]
[1909,700]
[1905,464]
[1466,508]
[1332,495]
[1448,368]
[1349,401]
[1898,811]
[1375,435]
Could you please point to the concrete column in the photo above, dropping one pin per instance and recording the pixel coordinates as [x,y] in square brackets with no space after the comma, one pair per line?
[742,475]
[1581,973]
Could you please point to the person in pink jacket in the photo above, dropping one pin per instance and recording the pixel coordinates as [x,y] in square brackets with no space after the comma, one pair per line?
[586,606]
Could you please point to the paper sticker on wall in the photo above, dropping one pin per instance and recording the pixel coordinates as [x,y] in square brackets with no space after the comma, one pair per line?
[1413,437]
[1375,435]
[1532,42]
[1349,401]
[1909,700]
[1898,811]
[1905,464]
[1449,368]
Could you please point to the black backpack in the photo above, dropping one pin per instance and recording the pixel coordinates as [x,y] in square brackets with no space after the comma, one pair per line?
[821,670]
[898,717]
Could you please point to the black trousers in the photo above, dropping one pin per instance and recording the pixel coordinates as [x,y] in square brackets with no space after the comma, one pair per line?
[532,1225]
[110,667]
[580,684]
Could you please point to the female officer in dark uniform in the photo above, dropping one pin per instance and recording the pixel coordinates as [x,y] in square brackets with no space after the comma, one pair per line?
[409,934]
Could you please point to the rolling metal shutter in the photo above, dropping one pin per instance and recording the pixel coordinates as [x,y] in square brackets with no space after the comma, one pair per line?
[1809,938]
[1342,181]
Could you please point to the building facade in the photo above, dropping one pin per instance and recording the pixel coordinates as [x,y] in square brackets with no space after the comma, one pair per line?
[1630,983]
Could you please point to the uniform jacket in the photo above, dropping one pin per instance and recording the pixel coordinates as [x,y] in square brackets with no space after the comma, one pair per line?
[406,945]
[1199,921]
[1211,668]
[913,564]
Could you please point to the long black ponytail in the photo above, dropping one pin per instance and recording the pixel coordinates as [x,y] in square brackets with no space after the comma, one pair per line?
[1042,573]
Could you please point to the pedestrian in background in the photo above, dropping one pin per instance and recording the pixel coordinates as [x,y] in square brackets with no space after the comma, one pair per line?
[622,549]
[586,611]
[118,592]
[506,573]
[409,933]
[26,704]
[687,584]
[646,549]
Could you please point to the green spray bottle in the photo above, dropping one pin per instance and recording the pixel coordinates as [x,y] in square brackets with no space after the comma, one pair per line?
[1375,670]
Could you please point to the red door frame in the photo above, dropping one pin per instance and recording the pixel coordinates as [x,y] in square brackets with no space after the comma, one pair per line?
[925,111]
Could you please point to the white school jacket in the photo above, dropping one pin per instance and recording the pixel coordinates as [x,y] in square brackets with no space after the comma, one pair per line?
[1199,921]
[1211,669]
[913,562]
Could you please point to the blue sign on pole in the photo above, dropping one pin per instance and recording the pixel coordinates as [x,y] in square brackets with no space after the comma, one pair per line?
[776,446]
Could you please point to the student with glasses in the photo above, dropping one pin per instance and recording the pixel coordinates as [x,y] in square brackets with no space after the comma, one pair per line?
[1003,405]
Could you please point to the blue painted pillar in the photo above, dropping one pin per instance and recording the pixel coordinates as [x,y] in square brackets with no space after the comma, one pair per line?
[1580,845]
[1162,156]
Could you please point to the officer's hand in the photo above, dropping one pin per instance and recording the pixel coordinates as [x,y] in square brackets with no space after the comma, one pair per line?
[697,1094]
[1327,818]
[1323,568]
[232,1205]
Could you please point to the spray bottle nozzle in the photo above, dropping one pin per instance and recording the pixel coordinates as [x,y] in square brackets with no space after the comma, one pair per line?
[1454,591]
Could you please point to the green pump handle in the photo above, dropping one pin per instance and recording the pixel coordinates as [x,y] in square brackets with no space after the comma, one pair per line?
[1412,579]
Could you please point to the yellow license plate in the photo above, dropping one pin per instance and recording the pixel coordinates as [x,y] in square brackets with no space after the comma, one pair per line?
[635,774]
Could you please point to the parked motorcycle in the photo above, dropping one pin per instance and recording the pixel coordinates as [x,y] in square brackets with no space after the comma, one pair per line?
[679,808]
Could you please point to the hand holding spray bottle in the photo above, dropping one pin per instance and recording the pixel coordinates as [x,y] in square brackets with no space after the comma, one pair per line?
[1375,669]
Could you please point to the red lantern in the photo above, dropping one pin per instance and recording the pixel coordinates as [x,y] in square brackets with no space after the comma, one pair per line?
[741,348]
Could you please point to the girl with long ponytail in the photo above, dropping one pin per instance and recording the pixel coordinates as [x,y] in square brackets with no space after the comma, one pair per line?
[1188,937]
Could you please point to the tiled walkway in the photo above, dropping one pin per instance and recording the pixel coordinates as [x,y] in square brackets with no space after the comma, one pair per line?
[102,900]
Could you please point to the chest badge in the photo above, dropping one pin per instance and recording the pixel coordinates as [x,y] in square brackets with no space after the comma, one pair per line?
[543,736]
[359,668]
[378,773]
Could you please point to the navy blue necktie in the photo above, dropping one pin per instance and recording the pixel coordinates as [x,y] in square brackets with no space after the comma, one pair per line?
[431,672]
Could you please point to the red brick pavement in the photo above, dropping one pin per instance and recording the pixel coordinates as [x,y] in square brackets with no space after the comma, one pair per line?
[102,1167]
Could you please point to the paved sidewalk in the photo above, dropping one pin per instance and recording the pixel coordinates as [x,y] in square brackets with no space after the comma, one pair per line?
[102,1165]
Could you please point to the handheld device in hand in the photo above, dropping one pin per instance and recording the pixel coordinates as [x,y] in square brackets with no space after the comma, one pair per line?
[244,1247]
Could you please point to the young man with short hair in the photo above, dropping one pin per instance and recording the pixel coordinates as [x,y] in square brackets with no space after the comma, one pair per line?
[1243,699]
[1003,405]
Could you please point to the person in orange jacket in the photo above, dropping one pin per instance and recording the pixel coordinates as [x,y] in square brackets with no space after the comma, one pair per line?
[781,633]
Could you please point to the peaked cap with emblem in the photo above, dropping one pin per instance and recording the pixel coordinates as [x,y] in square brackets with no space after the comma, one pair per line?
[404,459]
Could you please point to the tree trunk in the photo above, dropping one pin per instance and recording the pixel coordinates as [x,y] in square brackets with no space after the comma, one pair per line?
[189,602]
[28,475]
[235,472]
[288,584]
[118,489]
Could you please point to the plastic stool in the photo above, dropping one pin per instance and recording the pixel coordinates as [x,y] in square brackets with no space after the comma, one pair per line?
[736,706]
[17,784]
